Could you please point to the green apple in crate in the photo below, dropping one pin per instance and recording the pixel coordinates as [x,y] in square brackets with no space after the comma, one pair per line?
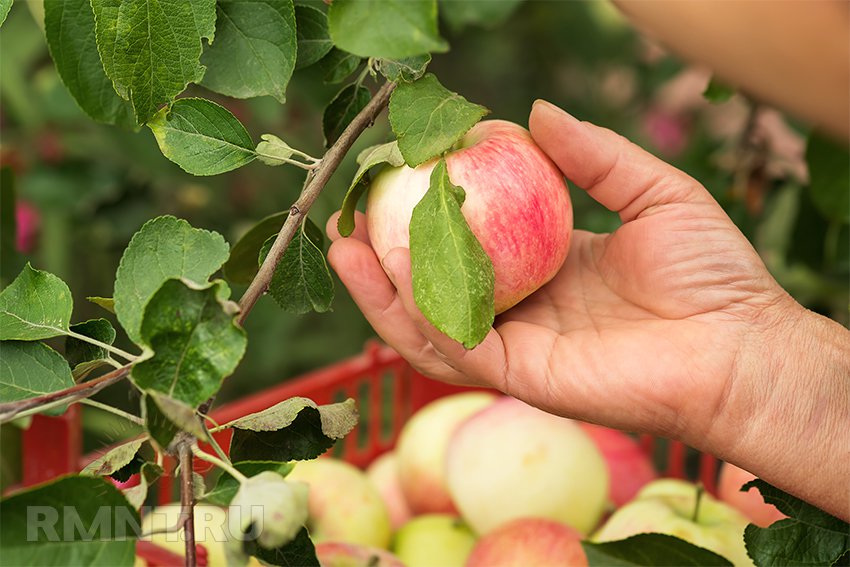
[669,506]
[343,504]
[383,472]
[434,540]
[339,554]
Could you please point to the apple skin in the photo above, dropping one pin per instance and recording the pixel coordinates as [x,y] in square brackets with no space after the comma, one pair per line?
[343,504]
[434,540]
[339,554]
[517,205]
[421,450]
[666,506]
[511,460]
[529,541]
[629,468]
[749,503]
[383,472]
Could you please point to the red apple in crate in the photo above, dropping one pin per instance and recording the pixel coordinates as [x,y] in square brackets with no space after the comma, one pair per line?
[434,540]
[383,472]
[629,468]
[343,504]
[422,446]
[749,503]
[529,541]
[516,204]
[339,554]
[511,461]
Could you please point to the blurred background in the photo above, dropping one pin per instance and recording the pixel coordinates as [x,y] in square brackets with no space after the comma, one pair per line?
[84,189]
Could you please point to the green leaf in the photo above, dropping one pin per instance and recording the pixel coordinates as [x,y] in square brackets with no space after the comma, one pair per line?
[342,110]
[407,69]
[338,65]
[829,171]
[368,158]
[242,265]
[76,520]
[273,151]
[482,13]
[30,369]
[428,119]
[11,261]
[254,51]
[313,39]
[300,551]
[716,92]
[165,417]
[385,29]
[164,248]
[302,281]
[106,302]
[70,29]
[453,278]
[226,486]
[293,430]
[5,6]
[151,49]
[136,495]
[83,356]
[115,460]
[650,550]
[194,338]
[808,536]
[37,305]
[202,137]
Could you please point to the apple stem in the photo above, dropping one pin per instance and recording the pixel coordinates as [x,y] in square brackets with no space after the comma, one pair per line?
[700,492]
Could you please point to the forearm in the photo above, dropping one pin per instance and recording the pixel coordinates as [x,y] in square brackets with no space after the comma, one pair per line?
[787,415]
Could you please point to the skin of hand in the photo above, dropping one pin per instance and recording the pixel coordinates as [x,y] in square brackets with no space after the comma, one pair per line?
[670,325]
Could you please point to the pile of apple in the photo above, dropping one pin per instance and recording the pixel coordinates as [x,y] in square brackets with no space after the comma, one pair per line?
[483,481]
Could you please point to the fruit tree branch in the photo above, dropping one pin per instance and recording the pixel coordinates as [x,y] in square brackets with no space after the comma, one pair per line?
[187,502]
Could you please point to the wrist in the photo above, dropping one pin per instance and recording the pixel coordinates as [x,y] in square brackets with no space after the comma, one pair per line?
[786,413]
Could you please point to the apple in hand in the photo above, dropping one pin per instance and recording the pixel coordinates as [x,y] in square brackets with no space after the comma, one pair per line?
[422,446]
[343,504]
[516,204]
[529,541]
[749,503]
[434,540]
[629,468]
[383,472]
[511,460]
[669,506]
[339,554]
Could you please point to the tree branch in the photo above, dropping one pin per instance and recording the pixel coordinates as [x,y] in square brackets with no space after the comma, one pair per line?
[315,182]
[187,501]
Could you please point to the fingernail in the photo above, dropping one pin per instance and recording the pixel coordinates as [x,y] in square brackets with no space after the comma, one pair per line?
[388,269]
[546,106]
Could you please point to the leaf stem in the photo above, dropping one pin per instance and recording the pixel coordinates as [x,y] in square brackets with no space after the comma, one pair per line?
[700,492]
[223,465]
[109,348]
[113,410]
[313,185]
[187,503]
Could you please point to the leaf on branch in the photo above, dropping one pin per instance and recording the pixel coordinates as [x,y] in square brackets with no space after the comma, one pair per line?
[385,29]
[195,340]
[302,281]
[273,151]
[105,302]
[808,536]
[5,6]
[268,503]
[75,520]
[489,14]
[226,486]
[338,65]
[136,495]
[31,369]
[300,551]
[37,305]
[152,50]
[295,429]
[368,158]
[202,137]
[716,92]
[453,278]
[165,417]
[115,462]
[313,39]
[341,111]
[407,69]
[829,170]
[428,119]
[164,248]
[242,265]
[254,52]
[651,550]
[85,357]
[70,29]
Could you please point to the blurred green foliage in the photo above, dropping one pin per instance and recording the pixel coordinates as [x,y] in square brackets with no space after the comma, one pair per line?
[93,186]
